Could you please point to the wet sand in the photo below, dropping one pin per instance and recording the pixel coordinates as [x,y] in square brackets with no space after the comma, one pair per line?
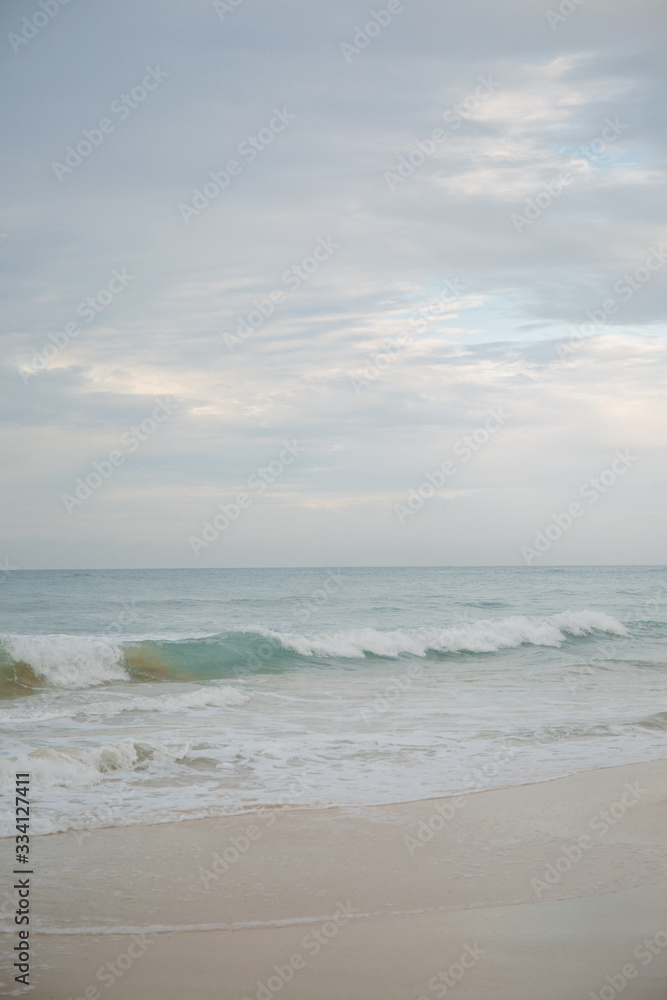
[549,891]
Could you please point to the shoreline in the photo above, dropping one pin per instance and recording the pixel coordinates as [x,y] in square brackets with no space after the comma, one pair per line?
[559,870]
[279,807]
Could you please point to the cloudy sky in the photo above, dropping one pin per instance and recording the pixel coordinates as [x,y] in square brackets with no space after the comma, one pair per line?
[435,242]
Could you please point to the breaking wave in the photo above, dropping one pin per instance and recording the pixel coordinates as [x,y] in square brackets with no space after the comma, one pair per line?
[67,767]
[28,663]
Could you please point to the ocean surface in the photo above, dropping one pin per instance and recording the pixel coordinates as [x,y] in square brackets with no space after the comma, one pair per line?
[148,696]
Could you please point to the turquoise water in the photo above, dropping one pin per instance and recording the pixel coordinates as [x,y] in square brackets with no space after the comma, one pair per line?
[144,696]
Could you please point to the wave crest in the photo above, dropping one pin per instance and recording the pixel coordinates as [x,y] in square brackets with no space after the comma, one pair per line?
[75,662]
[485,636]
[66,767]
[62,661]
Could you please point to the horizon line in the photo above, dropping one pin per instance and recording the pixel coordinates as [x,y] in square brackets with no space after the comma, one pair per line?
[169,569]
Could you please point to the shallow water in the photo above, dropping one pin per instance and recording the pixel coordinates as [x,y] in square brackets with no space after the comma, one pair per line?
[148,696]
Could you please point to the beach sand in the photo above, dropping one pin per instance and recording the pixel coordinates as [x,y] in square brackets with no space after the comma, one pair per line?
[330,904]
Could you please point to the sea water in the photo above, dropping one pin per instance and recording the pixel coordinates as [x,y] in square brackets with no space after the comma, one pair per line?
[149,696]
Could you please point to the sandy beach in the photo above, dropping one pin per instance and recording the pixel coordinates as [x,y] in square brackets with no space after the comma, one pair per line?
[549,891]
[333,557]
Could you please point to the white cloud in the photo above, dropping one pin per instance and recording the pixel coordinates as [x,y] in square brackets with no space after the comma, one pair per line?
[493,344]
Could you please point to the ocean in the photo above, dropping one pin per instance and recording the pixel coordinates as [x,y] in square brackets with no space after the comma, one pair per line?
[152,696]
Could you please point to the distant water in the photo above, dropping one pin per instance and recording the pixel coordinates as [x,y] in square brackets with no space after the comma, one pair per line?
[143,696]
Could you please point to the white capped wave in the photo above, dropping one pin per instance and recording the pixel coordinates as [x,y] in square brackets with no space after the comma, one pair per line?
[68,661]
[485,636]
[62,766]
[77,662]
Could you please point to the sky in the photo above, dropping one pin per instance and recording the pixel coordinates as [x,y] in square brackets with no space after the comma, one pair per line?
[315,284]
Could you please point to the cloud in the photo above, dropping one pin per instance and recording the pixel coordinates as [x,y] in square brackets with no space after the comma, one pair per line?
[447,224]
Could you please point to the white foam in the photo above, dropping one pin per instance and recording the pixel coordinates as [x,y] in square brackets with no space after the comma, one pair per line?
[68,661]
[485,636]
[116,702]
[61,766]
[202,697]
[76,662]
[371,734]
[129,929]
